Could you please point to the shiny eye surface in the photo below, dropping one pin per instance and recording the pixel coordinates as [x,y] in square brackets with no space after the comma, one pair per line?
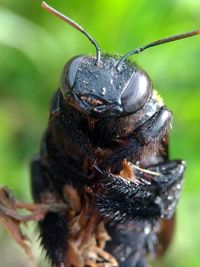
[137,92]
[68,75]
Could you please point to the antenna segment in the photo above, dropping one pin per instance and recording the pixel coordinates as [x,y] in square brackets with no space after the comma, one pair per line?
[74,25]
[155,43]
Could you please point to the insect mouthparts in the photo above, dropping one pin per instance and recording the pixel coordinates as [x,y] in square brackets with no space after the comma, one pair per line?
[92,101]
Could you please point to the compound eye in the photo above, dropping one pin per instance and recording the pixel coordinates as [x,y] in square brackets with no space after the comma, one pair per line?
[137,92]
[68,75]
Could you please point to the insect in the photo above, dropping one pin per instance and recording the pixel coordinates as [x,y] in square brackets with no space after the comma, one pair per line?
[105,154]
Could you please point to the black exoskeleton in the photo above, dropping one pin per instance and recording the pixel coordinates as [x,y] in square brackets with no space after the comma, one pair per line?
[95,125]
[105,155]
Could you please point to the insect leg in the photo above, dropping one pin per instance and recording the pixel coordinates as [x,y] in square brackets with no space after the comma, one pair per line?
[129,243]
[53,229]
[150,133]
[147,197]
[136,259]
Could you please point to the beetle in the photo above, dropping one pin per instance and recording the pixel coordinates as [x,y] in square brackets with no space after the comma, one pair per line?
[105,155]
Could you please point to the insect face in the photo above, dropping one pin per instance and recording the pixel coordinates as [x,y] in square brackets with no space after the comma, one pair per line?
[102,90]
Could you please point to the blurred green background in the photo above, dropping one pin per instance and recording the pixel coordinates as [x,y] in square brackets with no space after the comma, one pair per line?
[35,45]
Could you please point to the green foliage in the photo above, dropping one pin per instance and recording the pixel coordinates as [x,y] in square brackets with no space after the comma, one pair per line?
[34,46]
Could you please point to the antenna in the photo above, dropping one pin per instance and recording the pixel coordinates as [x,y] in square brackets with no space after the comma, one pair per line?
[74,25]
[155,43]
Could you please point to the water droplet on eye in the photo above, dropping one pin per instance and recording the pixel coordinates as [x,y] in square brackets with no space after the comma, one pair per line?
[170,197]
[103,91]
[178,187]
[85,82]
[147,230]
[122,259]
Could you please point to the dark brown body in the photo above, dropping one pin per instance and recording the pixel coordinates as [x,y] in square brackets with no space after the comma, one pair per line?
[114,209]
